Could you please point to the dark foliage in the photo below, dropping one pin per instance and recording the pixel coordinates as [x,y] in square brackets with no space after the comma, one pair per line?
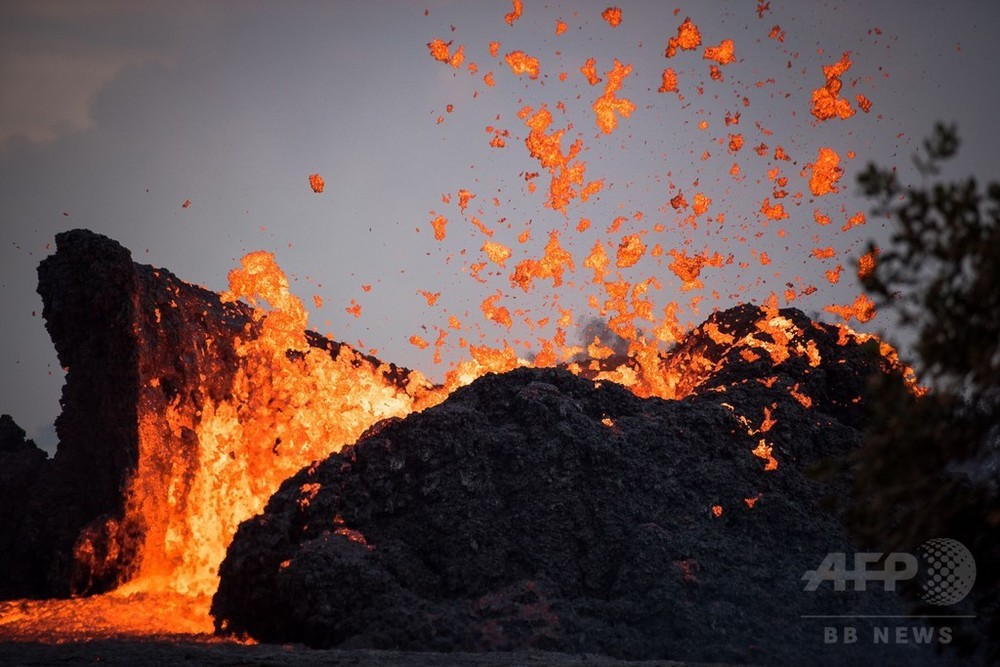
[930,463]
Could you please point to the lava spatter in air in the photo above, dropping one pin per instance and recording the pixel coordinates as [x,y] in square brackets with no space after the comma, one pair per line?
[567,172]
[863,309]
[316,182]
[515,13]
[723,54]
[613,15]
[825,173]
[441,50]
[608,106]
[688,38]
[826,100]
[521,63]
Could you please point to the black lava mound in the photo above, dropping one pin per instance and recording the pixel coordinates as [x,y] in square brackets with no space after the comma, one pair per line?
[540,510]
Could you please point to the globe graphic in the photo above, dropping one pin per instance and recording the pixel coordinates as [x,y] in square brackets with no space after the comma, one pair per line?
[949,571]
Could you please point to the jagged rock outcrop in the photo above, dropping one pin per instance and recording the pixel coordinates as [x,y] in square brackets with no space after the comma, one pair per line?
[134,339]
[112,322]
[539,509]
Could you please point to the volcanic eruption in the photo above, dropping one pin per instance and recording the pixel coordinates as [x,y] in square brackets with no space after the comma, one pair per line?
[655,491]
[526,510]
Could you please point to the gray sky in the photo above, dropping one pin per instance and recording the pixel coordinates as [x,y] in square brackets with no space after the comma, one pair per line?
[116,112]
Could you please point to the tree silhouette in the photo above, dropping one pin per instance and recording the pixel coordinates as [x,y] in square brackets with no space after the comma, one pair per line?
[930,466]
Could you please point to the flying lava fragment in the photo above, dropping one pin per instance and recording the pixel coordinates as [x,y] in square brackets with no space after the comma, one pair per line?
[613,15]
[441,50]
[723,54]
[688,38]
[863,309]
[669,83]
[630,250]
[825,172]
[515,14]
[589,70]
[521,63]
[317,183]
[826,100]
[438,224]
[607,104]
[688,268]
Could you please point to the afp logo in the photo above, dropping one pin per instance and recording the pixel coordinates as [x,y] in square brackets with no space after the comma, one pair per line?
[946,571]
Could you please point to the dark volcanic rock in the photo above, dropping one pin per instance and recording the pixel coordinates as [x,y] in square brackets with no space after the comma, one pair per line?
[88,292]
[13,439]
[22,467]
[538,509]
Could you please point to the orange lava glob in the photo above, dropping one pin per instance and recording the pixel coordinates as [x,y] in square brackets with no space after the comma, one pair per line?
[826,100]
[317,183]
[863,309]
[439,224]
[613,15]
[630,250]
[825,172]
[439,50]
[521,63]
[866,264]
[763,451]
[589,70]
[688,38]
[607,105]
[669,82]
[688,268]
[775,212]
[515,14]
[497,252]
[723,54]
[567,173]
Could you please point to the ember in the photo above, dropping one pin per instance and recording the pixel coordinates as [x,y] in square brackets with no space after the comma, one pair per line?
[317,183]
[826,101]
[607,105]
[669,83]
[515,14]
[522,63]
[825,172]
[688,38]
[613,15]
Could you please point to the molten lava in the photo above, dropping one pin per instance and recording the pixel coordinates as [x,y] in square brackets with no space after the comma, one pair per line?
[826,100]
[688,38]
[825,172]
[317,183]
[607,107]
